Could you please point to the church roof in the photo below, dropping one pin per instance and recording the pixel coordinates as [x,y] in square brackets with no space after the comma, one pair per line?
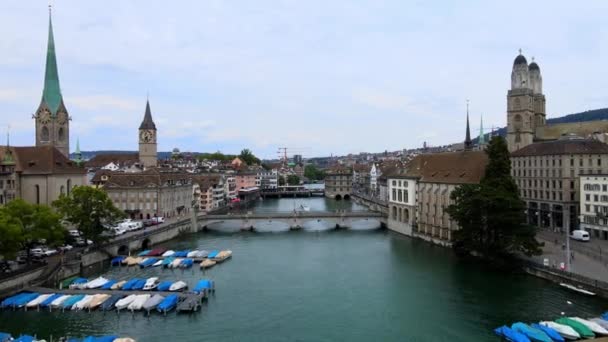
[463,167]
[51,95]
[520,59]
[148,178]
[147,123]
[533,66]
[40,160]
[563,146]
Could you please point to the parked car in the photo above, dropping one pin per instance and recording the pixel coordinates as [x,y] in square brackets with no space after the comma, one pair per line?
[65,247]
[75,233]
[119,230]
[49,251]
[81,242]
[36,252]
[580,235]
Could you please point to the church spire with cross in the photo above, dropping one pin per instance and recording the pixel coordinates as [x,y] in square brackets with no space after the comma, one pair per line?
[482,138]
[467,140]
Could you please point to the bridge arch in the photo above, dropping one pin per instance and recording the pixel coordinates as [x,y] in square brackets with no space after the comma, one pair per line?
[346,197]
[123,250]
[338,197]
[146,244]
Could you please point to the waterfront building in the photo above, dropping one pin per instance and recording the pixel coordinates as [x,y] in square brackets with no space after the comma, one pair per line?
[208,192]
[338,182]
[374,173]
[361,177]
[526,115]
[547,174]
[268,179]
[245,179]
[594,204]
[420,192]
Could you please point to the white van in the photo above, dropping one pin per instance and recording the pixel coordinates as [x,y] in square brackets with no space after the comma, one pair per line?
[580,235]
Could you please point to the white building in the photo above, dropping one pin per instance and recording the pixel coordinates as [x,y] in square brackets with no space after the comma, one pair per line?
[374,173]
[594,204]
[401,203]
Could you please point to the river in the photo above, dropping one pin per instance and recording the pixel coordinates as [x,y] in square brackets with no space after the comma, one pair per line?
[335,285]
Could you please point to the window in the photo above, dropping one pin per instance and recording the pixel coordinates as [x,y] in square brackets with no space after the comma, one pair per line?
[587,207]
[604,187]
[571,162]
[572,196]
[588,197]
[599,161]
[37,193]
[595,198]
[45,134]
[580,162]
[571,184]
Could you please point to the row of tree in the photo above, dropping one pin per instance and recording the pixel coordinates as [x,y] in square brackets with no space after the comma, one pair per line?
[313,173]
[23,225]
[246,155]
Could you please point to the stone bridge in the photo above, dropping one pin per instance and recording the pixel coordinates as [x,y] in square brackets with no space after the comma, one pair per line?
[152,236]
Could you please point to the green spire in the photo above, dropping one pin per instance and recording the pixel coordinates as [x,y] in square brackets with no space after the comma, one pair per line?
[482,138]
[77,153]
[52,92]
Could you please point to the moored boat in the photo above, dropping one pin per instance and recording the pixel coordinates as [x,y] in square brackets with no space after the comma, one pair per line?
[213,254]
[178,286]
[552,333]
[138,302]
[600,321]
[118,285]
[97,300]
[207,263]
[158,263]
[108,285]
[127,260]
[151,284]
[203,285]
[47,302]
[135,261]
[580,328]
[82,304]
[129,284]
[168,261]
[34,303]
[144,253]
[565,330]
[124,302]
[164,286]
[78,283]
[95,283]
[68,303]
[110,303]
[596,328]
[157,252]
[223,255]
[192,254]
[168,253]
[186,263]
[58,302]
[139,284]
[147,262]
[153,302]
[535,335]
[175,263]
[168,303]
[26,298]
[510,334]
[117,261]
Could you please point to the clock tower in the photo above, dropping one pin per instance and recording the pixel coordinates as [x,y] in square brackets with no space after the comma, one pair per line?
[52,118]
[147,140]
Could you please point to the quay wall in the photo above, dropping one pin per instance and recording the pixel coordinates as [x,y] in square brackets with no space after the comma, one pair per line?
[371,203]
[21,280]
[558,276]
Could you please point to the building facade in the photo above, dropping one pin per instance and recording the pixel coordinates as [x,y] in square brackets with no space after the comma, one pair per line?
[338,182]
[547,174]
[148,154]
[401,203]
[594,204]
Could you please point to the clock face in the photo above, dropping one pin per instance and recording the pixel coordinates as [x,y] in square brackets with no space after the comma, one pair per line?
[44,117]
[62,118]
[146,136]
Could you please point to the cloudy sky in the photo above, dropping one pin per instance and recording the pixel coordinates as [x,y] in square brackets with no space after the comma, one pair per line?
[317,76]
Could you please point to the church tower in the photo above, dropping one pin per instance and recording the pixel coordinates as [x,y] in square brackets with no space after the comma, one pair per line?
[52,119]
[536,82]
[521,120]
[147,140]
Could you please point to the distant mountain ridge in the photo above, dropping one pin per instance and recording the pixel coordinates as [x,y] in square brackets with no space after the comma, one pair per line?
[86,155]
[590,115]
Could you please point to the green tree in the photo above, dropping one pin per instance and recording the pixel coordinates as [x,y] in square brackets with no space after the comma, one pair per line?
[293,180]
[33,223]
[248,157]
[311,172]
[491,214]
[11,236]
[281,180]
[89,209]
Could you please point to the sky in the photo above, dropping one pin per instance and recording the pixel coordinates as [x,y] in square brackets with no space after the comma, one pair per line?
[319,77]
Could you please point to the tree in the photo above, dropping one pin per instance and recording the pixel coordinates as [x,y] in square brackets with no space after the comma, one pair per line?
[11,236]
[293,180]
[248,157]
[28,224]
[281,180]
[491,214]
[90,209]
[311,172]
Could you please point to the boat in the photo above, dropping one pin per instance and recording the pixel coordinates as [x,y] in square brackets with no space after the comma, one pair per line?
[221,256]
[81,304]
[178,286]
[510,334]
[203,285]
[138,302]
[58,302]
[109,304]
[175,263]
[565,330]
[135,261]
[151,284]
[157,252]
[129,284]
[118,285]
[97,300]
[577,289]
[580,328]
[167,261]
[153,302]
[207,263]
[192,254]
[68,303]
[158,263]
[164,286]
[604,316]
[168,253]
[107,338]
[202,254]
[95,283]
[602,322]
[34,303]
[148,262]
[124,302]
[186,263]
[596,328]
[117,261]
[66,282]
[552,333]
[26,338]
[182,254]
[139,284]
[108,285]
[26,298]
[144,253]
[535,335]
[78,283]
[213,254]
[127,260]
[5,337]
[168,303]
[47,302]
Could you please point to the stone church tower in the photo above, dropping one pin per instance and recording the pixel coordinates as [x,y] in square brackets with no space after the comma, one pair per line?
[147,140]
[52,119]
[525,104]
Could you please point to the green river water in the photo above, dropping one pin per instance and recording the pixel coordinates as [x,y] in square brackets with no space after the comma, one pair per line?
[326,285]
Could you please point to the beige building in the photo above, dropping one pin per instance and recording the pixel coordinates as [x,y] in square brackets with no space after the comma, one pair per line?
[594,204]
[338,182]
[547,174]
[419,194]
[147,194]
[39,175]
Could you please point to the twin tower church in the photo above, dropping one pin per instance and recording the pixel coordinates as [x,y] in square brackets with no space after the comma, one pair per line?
[53,120]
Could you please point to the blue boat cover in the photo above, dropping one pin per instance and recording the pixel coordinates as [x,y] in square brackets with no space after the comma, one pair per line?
[510,334]
[164,286]
[533,334]
[5,337]
[186,263]
[605,316]
[203,285]
[109,303]
[79,281]
[108,284]
[71,301]
[24,338]
[49,300]
[168,303]
[129,284]
[139,284]
[147,262]
[144,253]
[552,333]
[108,338]
[26,298]
[117,260]
[213,254]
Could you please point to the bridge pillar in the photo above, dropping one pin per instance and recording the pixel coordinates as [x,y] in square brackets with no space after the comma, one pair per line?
[194,219]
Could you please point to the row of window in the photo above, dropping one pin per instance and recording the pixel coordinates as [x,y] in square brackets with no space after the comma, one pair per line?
[400,183]
[533,162]
[399,196]
[596,208]
[595,187]
[596,198]
[547,195]
[552,184]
